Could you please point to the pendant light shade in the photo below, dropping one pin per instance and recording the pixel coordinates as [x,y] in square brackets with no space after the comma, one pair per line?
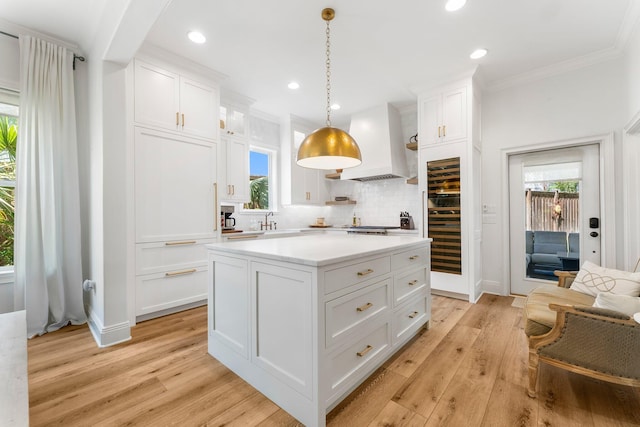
[328,147]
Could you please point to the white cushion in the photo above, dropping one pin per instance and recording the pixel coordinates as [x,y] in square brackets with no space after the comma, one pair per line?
[622,303]
[593,279]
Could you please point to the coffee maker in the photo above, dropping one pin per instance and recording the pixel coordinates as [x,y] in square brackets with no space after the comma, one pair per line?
[227,222]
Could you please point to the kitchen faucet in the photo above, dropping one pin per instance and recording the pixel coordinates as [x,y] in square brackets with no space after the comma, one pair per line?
[271,225]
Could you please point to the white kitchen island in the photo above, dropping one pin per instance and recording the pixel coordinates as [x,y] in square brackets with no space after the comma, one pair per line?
[306,319]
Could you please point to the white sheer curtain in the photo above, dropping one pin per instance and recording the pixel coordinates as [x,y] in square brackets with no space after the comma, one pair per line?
[48,268]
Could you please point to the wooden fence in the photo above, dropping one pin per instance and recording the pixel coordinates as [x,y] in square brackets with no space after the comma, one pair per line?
[552,211]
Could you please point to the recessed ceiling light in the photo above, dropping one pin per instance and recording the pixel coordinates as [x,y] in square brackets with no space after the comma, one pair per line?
[335,106]
[478,53]
[453,5]
[293,85]
[196,37]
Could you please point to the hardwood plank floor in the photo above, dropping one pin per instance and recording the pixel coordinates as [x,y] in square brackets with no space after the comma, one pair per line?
[468,369]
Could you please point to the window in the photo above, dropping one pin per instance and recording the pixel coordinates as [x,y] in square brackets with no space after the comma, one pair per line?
[8,140]
[261,179]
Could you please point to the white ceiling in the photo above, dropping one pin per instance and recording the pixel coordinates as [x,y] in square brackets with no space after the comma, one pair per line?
[380,52]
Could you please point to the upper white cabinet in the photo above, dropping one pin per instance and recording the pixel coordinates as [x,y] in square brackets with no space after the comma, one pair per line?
[444,117]
[234,181]
[305,186]
[167,100]
[234,147]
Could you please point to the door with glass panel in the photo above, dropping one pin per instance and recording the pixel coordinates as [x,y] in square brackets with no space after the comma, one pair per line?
[554,214]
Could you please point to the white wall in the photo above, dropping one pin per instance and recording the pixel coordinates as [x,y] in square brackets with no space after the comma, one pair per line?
[632,66]
[580,103]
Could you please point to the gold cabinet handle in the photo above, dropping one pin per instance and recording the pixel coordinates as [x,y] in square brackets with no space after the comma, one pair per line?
[364,273]
[177,118]
[216,219]
[179,273]
[249,236]
[444,130]
[233,190]
[414,257]
[413,282]
[182,121]
[186,242]
[367,306]
[367,349]
[439,132]
[414,314]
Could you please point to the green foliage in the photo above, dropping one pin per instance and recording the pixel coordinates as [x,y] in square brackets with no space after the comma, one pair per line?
[564,186]
[8,142]
[259,194]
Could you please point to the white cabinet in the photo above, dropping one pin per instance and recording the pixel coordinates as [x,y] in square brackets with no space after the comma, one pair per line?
[305,186]
[234,148]
[167,100]
[450,180]
[443,117]
[174,187]
[234,181]
[304,334]
[175,134]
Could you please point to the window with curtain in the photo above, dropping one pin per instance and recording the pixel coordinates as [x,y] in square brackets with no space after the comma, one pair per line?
[8,138]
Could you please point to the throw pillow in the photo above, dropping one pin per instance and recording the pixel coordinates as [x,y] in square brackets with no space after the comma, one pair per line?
[622,303]
[593,279]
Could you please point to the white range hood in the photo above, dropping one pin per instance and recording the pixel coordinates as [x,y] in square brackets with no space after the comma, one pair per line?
[378,133]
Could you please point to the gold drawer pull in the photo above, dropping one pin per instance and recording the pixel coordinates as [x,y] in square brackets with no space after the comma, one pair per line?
[250,236]
[365,351]
[412,257]
[186,242]
[179,273]
[414,314]
[177,118]
[364,273]
[367,306]
[413,282]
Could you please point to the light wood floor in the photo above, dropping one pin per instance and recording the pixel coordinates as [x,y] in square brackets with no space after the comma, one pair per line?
[469,369]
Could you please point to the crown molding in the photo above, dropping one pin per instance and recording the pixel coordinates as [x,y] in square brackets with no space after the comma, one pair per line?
[629,24]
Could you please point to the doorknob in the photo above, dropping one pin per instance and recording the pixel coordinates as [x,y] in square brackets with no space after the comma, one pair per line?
[593,234]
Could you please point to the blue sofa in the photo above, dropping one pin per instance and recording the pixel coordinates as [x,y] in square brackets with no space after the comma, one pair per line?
[542,249]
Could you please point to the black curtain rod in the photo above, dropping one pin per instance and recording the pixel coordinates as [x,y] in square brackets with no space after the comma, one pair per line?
[78,57]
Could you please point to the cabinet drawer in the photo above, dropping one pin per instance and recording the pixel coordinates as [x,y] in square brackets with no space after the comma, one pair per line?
[162,256]
[349,365]
[351,274]
[408,284]
[155,292]
[411,257]
[410,317]
[347,312]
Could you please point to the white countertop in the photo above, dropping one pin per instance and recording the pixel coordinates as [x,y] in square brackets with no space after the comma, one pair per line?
[318,249]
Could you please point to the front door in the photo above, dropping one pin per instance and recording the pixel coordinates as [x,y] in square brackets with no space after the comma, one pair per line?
[554,214]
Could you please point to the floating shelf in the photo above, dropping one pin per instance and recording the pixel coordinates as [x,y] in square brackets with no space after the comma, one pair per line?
[412,146]
[341,202]
[413,180]
[335,175]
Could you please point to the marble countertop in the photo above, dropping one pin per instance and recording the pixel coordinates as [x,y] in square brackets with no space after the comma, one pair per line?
[318,249]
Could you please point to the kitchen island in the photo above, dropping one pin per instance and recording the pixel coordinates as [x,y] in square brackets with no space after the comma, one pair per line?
[306,319]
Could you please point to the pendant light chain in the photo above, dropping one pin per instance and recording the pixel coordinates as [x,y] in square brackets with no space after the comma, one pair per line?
[328,63]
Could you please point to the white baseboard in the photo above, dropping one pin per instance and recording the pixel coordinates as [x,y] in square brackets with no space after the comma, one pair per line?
[106,336]
[492,287]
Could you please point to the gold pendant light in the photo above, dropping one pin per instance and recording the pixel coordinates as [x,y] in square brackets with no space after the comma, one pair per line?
[329,147]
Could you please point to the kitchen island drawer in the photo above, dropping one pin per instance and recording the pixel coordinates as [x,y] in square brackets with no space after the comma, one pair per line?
[408,284]
[348,275]
[348,366]
[161,291]
[404,259]
[345,313]
[409,318]
[173,255]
